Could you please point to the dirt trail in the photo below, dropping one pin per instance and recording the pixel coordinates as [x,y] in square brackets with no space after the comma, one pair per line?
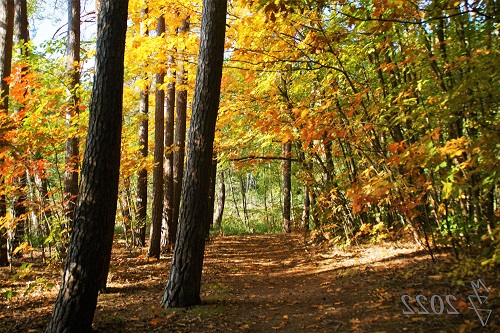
[267,283]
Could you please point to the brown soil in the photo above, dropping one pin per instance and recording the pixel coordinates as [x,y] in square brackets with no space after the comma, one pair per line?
[267,283]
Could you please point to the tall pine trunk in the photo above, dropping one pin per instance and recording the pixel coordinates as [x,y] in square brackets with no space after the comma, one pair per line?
[21,37]
[92,236]
[169,227]
[6,39]
[73,68]
[184,283]
[157,209]
[142,175]
[180,128]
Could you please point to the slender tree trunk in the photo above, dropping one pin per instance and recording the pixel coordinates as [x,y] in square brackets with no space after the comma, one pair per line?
[184,283]
[231,188]
[20,211]
[21,32]
[221,199]
[126,211]
[169,226]
[306,209]
[21,37]
[180,128]
[142,175]
[211,194]
[286,168]
[92,236]
[157,209]
[4,259]
[73,68]
[6,40]
[243,190]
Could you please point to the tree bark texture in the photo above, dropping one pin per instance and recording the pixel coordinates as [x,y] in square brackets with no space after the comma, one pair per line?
[157,209]
[142,174]
[21,32]
[169,227]
[6,40]
[92,235]
[180,129]
[286,167]
[73,68]
[183,287]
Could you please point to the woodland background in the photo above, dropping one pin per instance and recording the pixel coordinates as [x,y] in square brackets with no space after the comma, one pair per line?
[359,120]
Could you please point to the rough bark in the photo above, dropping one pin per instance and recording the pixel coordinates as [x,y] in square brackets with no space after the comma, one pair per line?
[157,209]
[169,228]
[92,235]
[142,174]
[286,168]
[73,68]
[21,32]
[180,129]
[184,283]
[6,38]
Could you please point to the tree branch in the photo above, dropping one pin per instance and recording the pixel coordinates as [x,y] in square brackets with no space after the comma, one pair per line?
[255,157]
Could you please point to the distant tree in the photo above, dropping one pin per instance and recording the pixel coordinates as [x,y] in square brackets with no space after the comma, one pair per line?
[221,199]
[92,234]
[184,283]
[286,167]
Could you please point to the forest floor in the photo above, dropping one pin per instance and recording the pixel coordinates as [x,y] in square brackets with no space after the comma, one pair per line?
[271,283]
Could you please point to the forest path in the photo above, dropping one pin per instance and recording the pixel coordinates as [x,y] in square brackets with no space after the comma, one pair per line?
[270,283]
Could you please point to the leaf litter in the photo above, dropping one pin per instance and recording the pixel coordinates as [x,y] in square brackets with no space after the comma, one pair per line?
[266,283]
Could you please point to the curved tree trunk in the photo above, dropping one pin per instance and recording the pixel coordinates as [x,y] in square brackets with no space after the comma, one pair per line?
[184,283]
[92,236]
